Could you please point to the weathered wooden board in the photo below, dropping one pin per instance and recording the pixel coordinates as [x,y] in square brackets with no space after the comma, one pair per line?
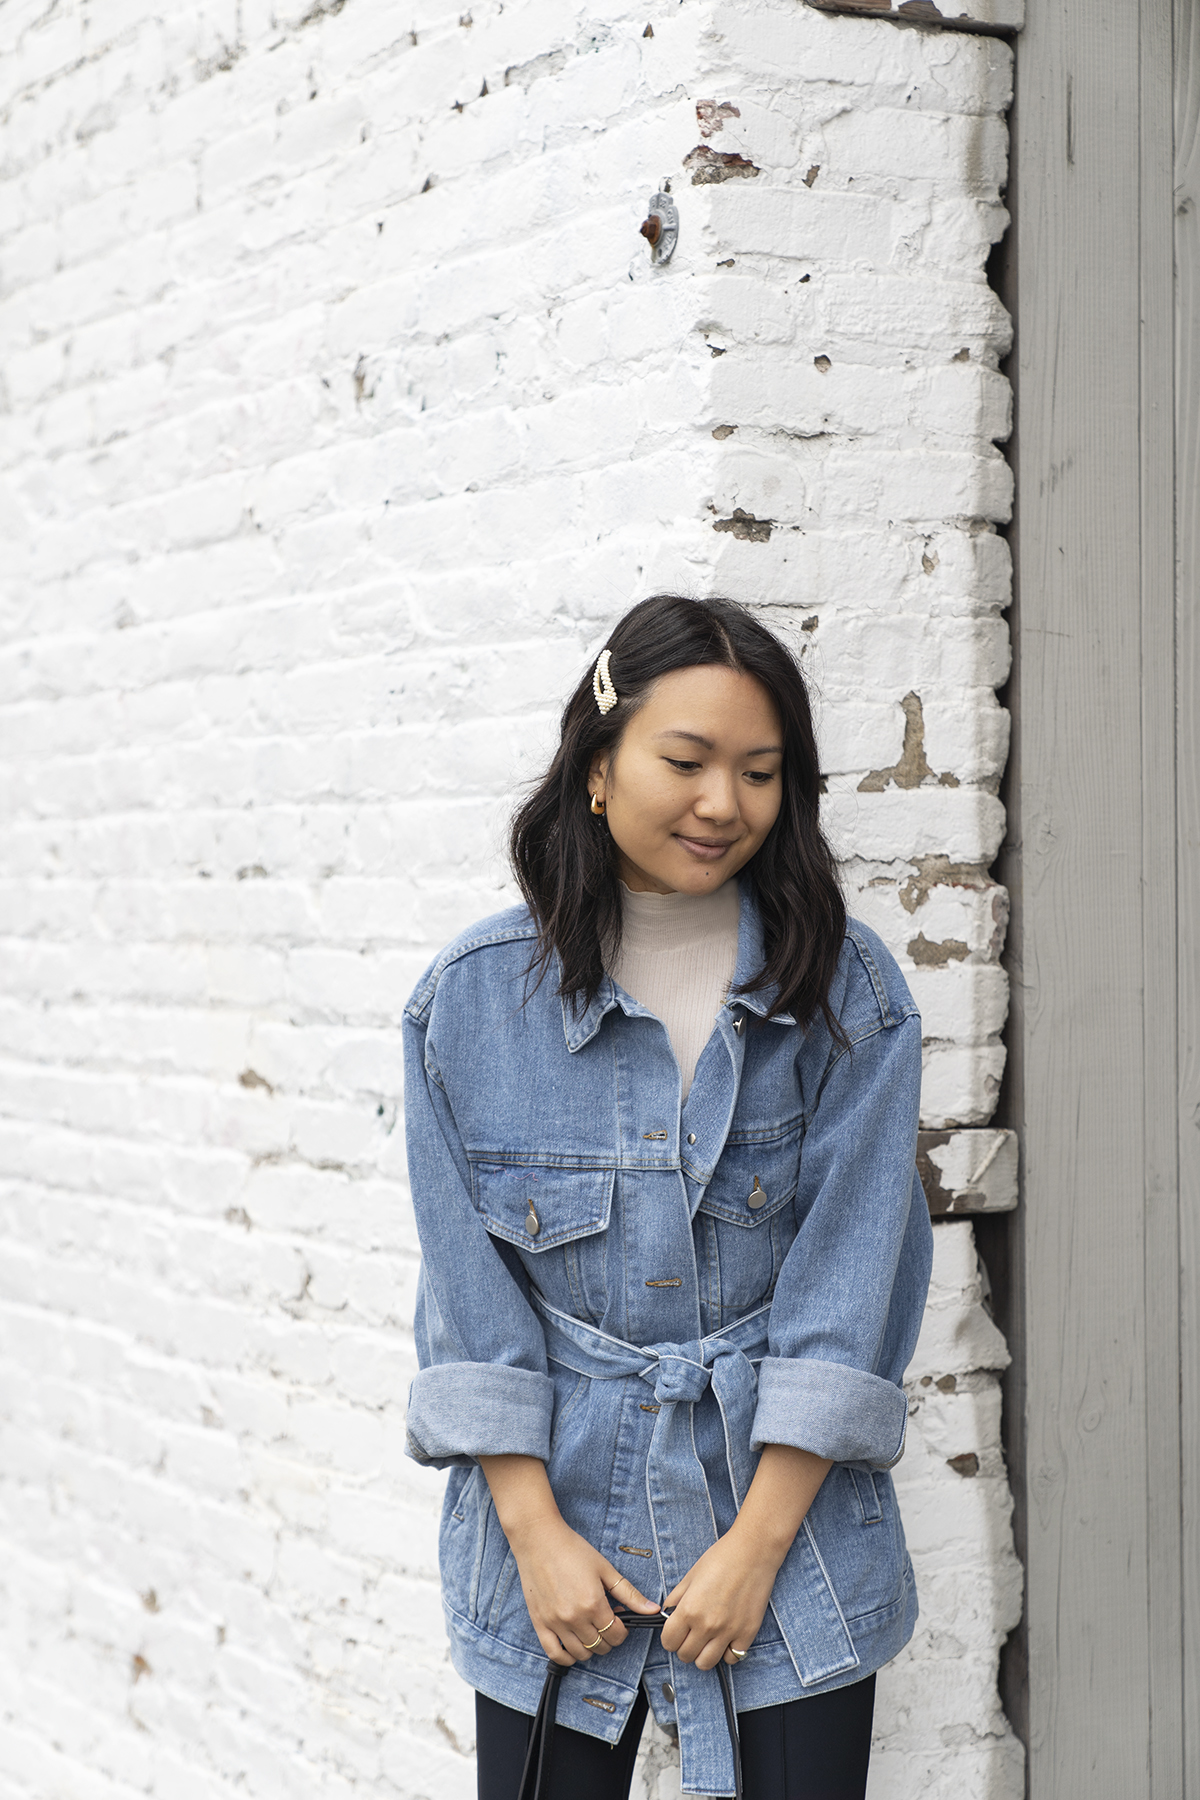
[1187,479]
[1160,918]
[1094,813]
[955,15]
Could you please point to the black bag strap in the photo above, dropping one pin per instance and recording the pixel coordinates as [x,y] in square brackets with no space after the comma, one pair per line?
[735,1742]
[535,1777]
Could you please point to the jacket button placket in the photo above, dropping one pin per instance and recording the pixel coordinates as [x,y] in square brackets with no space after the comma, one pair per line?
[661,1299]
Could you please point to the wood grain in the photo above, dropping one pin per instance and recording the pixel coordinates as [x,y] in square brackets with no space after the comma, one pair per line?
[1159,901]
[1096,870]
[1187,452]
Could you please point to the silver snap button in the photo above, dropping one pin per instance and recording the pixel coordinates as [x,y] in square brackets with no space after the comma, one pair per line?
[756,1198]
[668,1692]
[533,1224]
[737,1025]
[691,1137]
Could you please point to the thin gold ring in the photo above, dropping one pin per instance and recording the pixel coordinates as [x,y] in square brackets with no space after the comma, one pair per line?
[603,1628]
[593,1646]
[740,1654]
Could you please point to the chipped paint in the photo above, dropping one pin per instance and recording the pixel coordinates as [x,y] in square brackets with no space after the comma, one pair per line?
[745,525]
[709,165]
[987,16]
[712,115]
[912,770]
[936,956]
[939,871]
[968,1171]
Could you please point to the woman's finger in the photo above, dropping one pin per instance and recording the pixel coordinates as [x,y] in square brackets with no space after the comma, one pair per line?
[690,1648]
[611,1630]
[576,1647]
[691,1638]
[606,1637]
[623,1588]
[712,1653]
[681,1627]
[552,1645]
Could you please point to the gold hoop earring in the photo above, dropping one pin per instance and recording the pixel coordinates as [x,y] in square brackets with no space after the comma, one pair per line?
[598,806]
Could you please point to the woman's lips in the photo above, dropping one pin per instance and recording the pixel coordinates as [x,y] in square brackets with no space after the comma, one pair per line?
[704,849]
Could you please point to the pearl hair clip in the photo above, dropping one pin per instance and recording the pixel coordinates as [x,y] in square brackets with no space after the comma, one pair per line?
[602,687]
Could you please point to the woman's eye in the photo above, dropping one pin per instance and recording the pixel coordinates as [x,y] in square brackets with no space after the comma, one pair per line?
[759,777]
[685,768]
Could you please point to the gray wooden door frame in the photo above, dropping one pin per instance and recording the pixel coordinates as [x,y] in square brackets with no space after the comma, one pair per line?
[1103,859]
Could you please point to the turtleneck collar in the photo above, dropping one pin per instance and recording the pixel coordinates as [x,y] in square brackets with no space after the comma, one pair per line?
[652,922]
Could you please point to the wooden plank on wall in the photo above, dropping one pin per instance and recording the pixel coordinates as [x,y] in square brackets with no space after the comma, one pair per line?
[1094,814]
[1156,160]
[1187,364]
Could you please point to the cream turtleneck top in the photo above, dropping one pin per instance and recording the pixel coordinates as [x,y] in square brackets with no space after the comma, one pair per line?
[677,957]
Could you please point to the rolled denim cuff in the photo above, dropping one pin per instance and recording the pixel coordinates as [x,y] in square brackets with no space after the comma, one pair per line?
[458,1412]
[830,1409]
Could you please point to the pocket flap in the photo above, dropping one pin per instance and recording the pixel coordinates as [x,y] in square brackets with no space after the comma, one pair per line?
[563,1203]
[753,1181]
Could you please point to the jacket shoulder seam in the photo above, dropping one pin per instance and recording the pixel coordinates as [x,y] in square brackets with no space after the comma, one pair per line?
[856,937]
[889,1024]
[887,1015]
[418,1006]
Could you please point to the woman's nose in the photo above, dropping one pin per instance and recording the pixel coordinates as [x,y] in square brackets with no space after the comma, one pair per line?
[718,801]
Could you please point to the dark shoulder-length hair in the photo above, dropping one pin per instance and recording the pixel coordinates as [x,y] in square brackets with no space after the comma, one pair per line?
[565,858]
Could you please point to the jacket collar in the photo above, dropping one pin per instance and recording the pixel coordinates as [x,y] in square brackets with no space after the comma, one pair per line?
[581,1028]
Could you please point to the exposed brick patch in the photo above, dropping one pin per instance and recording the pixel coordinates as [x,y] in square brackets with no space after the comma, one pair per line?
[745,526]
[708,165]
[712,114]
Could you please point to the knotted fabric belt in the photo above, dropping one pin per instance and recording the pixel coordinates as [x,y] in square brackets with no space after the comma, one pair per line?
[676,1485]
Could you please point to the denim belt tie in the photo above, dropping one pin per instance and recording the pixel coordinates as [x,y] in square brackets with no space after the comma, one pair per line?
[676,1485]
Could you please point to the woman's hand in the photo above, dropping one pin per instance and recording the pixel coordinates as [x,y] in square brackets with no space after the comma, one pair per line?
[567,1584]
[723,1597]
[569,1590]
[720,1601]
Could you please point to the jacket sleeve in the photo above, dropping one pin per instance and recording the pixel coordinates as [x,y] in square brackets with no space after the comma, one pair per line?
[482,1388]
[848,1303]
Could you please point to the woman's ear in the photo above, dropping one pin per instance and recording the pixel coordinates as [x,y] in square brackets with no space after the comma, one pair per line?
[598,772]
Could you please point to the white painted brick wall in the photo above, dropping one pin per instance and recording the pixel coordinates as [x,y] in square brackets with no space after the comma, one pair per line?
[341,411]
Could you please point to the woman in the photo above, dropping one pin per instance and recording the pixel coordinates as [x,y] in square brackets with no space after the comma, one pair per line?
[662,1127]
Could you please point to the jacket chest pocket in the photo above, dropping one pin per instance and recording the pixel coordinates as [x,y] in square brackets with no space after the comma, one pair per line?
[750,1218]
[556,1218]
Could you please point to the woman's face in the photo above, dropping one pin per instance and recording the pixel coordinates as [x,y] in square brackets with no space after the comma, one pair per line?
[696,782]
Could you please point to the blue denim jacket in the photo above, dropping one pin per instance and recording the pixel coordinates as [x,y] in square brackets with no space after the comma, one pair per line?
[644,1298]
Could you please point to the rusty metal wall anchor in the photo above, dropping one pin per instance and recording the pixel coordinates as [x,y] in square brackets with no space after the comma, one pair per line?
[661,228]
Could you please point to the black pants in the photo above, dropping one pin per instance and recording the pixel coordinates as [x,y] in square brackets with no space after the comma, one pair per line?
[814,1749]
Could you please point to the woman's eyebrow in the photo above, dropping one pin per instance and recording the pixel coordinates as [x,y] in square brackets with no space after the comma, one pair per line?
[693,737]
